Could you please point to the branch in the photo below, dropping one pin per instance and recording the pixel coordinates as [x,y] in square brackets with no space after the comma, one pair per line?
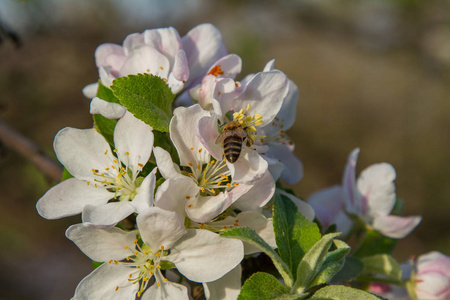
[24,146]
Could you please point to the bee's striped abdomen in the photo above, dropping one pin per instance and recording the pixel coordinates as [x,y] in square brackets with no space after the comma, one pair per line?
[232,147]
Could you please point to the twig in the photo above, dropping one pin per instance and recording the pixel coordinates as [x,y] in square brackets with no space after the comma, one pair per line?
[16,141]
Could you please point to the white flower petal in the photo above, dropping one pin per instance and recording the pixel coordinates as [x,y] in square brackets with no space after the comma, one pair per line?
[203,46]
[173,194]
[293,167]
[180,68]
[260,193]
[377,189]
[351,196]
[165,164]
[249,167]
[265,93]
[103,281]
[183,132]
[90,90]
[107,109]
[225,91]
[288,110]
[270,65]
[132,41]
[432,286]
[303,207]
[134,141]
[227,287]
[108,214]
[146,59]
[159,227]
[231,65]
[69,197]
[104,51]
[144,194]
[81,151]
[167,291]
[396,227]
[327,204]
[102,245]
[207,132]
[165,40]
[203,256]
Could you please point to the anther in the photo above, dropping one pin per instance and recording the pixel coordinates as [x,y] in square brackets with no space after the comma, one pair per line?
[228,185]
[200,150]
[203,189]
[140,165]
[236,184]
[189,163]
[192,148]
[162,247]
[88,183]
[127,153]
[248,107]
[188,197]
[106,152]
[190,205]
[158,284]
[126,247]
[110,262]
[117,287]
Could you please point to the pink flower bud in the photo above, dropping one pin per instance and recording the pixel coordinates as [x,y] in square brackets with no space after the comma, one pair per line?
[433,277]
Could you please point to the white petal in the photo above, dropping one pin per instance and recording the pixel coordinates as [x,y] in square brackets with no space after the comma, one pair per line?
[134,141]
[165,164]
[102,245]
[269,65]
[180,68]
[265,93]
[377,190]
[203,256]
[227,287]
[172,195]
[144,194]
[107,109]
[104,50]
[167,291]
[103,281]
[351,196]
[146,59]
[165,40]
[224,93]
[293,167]
[207,132]
[183,132]
[396,227]
[81,151]
[69,197]
[108,214]
[288,109]
[203,46]
[303,207]
[132,41]
[327,204]
[159,227]
[432,286]
[258,196]
[90,90]
[249,167]
[231,65]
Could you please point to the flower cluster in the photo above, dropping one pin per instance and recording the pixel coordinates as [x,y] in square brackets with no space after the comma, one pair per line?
[182,152]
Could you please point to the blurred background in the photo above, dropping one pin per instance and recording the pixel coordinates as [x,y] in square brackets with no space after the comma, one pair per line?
[371,74]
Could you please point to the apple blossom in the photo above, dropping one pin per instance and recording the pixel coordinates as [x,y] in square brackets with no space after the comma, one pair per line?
[106,186]
[370,198]
[200,255]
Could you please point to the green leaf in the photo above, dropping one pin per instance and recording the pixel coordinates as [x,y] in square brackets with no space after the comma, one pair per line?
[375,243]
[105,127]
[311,264]
[105,93]
[66,175]
[262,286]
[147,97]
[339,292]
[383,264]
[352,268]
[334,262]
[166,265]
[96,264]
[250,236]
[294,234]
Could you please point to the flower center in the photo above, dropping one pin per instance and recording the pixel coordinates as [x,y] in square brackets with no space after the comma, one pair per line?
[118,178]
[275,134]
[248,122]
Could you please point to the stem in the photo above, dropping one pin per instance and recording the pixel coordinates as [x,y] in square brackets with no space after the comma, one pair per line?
[28,149]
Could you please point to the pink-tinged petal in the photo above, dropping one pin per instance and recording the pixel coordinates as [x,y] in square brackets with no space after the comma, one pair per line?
[132,41]
[351,196]
[107,214]
[107,75]
[432,286]
[249,167]
[228,66]
[69,197]
[165,164]
[180,68]
[103,282]
[225,91]
[102,245]
[203,93]
[327,204]
[81,151]
[205,208]
[107,109]
[207,132]
[227,287]
[203,46]
[434,261]
[269,66]
[167,291]
[146,59]
[377,190]
[274,166]
[203,256]
[144,193]
[165,40]
[265,93]
[159,227]
[288,110]
[90,90]
[396,227]
[303,207]
[134,141]
[183,132]
[260,193]
[104,51]
[173,194]
[293,167]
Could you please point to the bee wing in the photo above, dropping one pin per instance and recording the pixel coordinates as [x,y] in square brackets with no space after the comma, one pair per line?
[241,132]
[221,137]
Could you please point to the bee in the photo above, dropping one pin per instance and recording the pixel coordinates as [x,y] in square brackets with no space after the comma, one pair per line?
[232,137]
